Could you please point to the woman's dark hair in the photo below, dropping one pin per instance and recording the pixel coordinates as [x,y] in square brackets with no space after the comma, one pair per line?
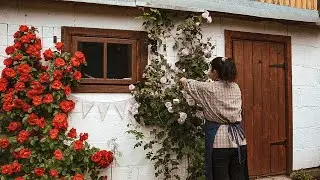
[225,67]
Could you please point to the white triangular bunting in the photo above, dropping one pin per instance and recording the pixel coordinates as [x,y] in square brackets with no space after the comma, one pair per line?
[103,109]
[121,107]
[86,107]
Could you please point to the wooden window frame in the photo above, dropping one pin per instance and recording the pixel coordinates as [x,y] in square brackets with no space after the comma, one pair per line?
[72,35]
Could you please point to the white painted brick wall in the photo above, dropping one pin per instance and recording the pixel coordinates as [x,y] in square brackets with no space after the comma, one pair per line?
[49,17]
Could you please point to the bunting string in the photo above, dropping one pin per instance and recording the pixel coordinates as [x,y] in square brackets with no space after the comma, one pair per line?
[122,106]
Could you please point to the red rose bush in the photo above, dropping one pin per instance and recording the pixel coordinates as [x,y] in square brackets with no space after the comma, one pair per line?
[35,142]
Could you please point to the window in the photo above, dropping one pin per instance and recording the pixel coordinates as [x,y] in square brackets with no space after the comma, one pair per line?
[115,58]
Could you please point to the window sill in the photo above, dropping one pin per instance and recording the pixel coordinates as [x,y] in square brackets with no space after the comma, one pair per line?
[102,89]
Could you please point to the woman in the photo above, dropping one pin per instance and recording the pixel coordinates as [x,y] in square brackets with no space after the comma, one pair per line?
[225,151]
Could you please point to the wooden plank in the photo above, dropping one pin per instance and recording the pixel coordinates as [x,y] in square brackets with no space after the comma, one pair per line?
[274,107]
[247,95]
[238,56]
[304,4]
[293,3]
[287,2]
[257,109]
[309,4]
[298,4]
[315,4]
[281,110]
[265,128]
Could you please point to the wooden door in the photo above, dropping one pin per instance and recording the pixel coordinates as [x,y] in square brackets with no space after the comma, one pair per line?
[262,79]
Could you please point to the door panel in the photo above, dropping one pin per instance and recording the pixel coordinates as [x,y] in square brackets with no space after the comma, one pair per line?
[263,93]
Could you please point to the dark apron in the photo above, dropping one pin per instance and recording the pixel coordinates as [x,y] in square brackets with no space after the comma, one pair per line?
[211,128]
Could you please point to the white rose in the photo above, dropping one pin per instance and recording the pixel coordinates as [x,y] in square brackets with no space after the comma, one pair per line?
[168,104]
[181,121]
[183,115]
[183,70]
[134,111]
[170,109]
[131,87]
[207,52]
[144,75]
[175,101]
[199,114]
[163,68]
[205,14]
[136,105]
[209,19]
[185,52]
[163,80]
[197,23]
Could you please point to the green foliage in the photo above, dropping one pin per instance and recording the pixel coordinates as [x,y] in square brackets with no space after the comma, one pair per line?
[302,175]
[162,105]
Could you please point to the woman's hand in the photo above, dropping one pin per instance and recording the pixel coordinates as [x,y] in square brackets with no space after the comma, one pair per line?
[183,81]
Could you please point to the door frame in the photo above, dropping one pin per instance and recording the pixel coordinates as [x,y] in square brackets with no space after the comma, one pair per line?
[286,40]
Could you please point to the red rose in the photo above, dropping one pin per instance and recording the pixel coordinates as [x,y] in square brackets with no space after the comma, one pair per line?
[58,154]
[16,34]
[36,100]
[57,85]
[4,143]
[47,99]
[54,133]
[6,169]
[48,54]
[60,121]
[72,133]
[18,103]
[57,75]
[3,84]
[26,107]
[44,78]
[8,106]
[32,51]
[41,123]
[69,69]
[19,178]
[8,97]
[19,86]
[39,172]
[31,36]
[9,72]
[24,153]
[79,55]
[96,157]
[17,45]
[23,136]
[78,145]
[77,177]
[31,93]
[53,173]
[24,28]
[18,57]
[32,120]
[38,45]
[25,39]
[24,68]
[67,90]
[106,158]
[59,46]
[25,77]
[59,62]
[44,68]
[67,105]
[84,136]
[77,75]
[8,62]
[75,62]
[13,126]
[16,167]
[10,50]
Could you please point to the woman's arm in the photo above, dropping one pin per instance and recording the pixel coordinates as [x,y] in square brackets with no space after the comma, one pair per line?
[194,88]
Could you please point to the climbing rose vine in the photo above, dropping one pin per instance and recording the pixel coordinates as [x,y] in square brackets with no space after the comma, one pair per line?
[174,118]
[35,140]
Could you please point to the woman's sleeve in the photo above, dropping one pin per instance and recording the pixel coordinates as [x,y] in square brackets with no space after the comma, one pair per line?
[195,89]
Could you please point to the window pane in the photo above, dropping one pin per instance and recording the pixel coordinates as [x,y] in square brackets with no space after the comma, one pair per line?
[119,59]
[94,55]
